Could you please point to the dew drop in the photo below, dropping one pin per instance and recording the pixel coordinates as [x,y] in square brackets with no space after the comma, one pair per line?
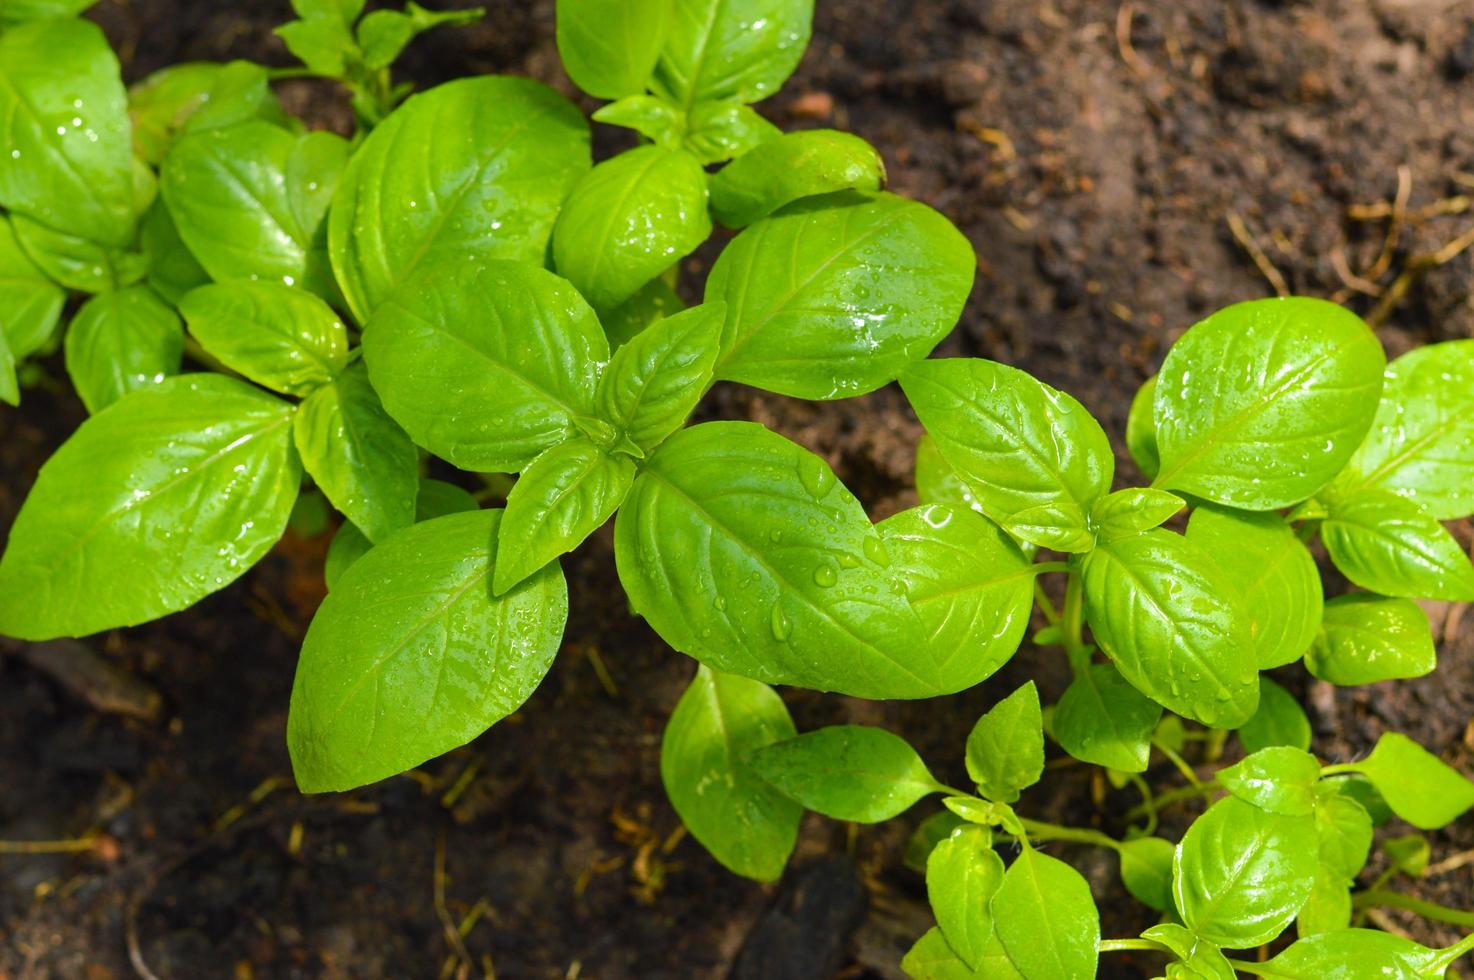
[781,624]
[825,576]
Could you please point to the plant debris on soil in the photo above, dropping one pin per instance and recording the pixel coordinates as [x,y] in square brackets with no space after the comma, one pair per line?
[1122,170]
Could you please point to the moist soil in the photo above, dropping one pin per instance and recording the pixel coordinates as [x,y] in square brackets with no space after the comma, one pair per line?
[1121,170]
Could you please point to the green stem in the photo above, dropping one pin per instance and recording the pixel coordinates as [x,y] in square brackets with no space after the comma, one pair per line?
[1039,568]
[1079,835]
[1046,606]
[1166,799]
[1180,763]
[1428,910]
[1257,969]
[1116,945]
[1338,768]
[1452,953]
[1148,801]
[1072,625]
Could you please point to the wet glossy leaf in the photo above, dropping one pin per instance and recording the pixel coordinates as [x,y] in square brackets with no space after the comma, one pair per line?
[1141,430]
[76,262]
[284,338]
[937,482]
[962,874]
[1198,959]
[1279,720]
[486,364]
[655,301]
[1354,954]
[1046,918]
[1262,403]
[716,50]
[931,958]
[1146,870]
[848,772]
[609,47]
[1133,510]
[793,166]
[475,169]
[565,495]
[1173,627]
[833,296]
[65,128]
[1364,639]
[743,551]
[927,835]
[968,582]
[1243,873]
[1034,457]
[250,201]
[9,386]
[741,819]
[411,655]
[358,456]
[197,95]
[1279,779]
[649,115]
[1103,720]
[654,381]
[1421,788]
[718,131]
[120,342]
[172,268]
[1271,570]
[628,220]
[436,499]
[30,303]
[1387,544]
[152,504]
[1005,750]
[1421,445]
[1344,831]
[1327,909]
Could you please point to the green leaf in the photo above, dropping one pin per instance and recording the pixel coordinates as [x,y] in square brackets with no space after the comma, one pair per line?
[931,958]
[654,381]
[1242,873]
[744,822]
[78,262]
[848,772]
[1146,870]
[473,169]
[793,166]
[324,44]
[19,11]
[1365,639]
[1409,853]
[629,219]
[169,495]
[1005,750]
[937,482]
[486,364]
[1272,571]
[1132,511]
[718,131]
[1141,430]
[281,337]
[120,342]
[194,96]
[250,201]
[833,296]
[565,495]
[9,386]
[968,582]
[1344,831]
[172,267]
[1420,787]
[962,874]
[30,303]
[1173,626]
[1034,457]
[435,499]
[1262,403]
[1279,779]
[1198,959]
[1046,918]
[1279,720]
[649,115]
[1388,544]
[1355,954]
[1102,719]
[1418,446]
[359,457]
[65,128]
[609,47]
[718,50]
[383,34]
[412,656]
[743,551]
[927,835]
[1327,909]
[655,301]
[1360,789]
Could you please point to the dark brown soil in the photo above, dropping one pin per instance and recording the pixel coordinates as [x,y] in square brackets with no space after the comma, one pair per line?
[1098,157]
